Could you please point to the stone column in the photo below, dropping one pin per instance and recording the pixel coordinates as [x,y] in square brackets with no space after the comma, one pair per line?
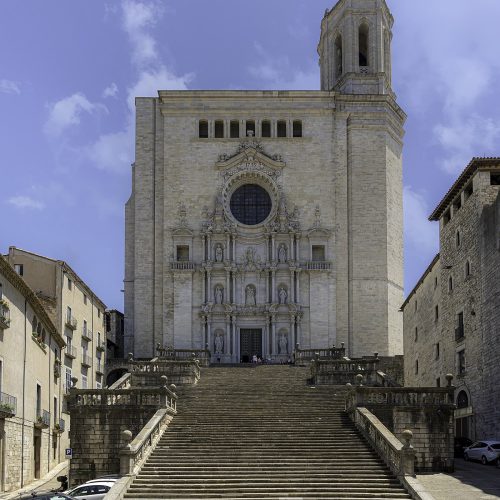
[234,287]
[233,336]
[267,285]
[273,334]
[291,295]
[209,335]
[209,243]
[226,297]
[291,253]
[297,294]
[297,248]
[292,341]
[273,285]
[273,247]
[227,255]
[227,335]
[209,287]
[204,246]
[299,330]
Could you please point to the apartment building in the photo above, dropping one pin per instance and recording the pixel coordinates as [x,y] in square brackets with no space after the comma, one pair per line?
[33,429]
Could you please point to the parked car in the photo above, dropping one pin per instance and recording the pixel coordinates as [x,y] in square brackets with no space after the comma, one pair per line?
[45,495]
[487,451]
[460,444]
[93,490]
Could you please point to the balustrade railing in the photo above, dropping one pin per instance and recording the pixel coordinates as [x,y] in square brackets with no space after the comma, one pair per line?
[4,315]
[8,405]
[86,359]
[86,333]
[42,418]
[319,265]
[70,351]
[322,354]
[168,367]
[71,322]
[203,355]
[136,451]
[182,265]
[123,382]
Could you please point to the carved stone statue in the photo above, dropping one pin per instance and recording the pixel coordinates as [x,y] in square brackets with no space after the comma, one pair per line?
[282,295]
[250,296]
[282,253]
[219,294]
[219,343]
[219,253]
[283,344]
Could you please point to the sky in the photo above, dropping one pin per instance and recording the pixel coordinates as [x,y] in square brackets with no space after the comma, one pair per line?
[69,72]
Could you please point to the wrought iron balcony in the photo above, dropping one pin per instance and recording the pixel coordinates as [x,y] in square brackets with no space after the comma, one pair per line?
[70,351]
[99,368]
[60,426]
[8,405]
[42,419]
[71,322]
[317,265]
[4,314]
[101,345]
[182,265]
[86,360]
[87,334]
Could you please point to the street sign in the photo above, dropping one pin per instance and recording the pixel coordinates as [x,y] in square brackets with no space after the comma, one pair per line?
[69,453]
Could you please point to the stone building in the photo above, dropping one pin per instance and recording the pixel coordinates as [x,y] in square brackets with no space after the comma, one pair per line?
[76,311]
[262,219]
[32,427]
[114,323]
[452,316]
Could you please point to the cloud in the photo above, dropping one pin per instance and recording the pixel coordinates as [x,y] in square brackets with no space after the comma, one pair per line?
[110,91]
[66,113]
[419,232]
[9,87]
[25,202]
[279,73]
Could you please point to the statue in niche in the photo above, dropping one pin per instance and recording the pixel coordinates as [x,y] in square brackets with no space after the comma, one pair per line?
[219,294]
[283,343]
[219,253]
[219,343]
[250,296]
[282,295]
[282,253]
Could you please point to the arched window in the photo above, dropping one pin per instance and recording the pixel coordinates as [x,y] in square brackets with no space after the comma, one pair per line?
[462,400]
[363,45]
[338,64]
[203,129]
[266,128]
[219,129]
[234,129]
[281,128]
[250,128]
[297,128]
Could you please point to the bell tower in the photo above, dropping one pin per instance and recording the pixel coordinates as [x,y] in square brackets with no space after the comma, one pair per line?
[355,48]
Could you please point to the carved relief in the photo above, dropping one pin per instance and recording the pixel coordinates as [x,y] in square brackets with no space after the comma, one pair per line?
[250,296]
[219,294]
[282,253]
[282,295]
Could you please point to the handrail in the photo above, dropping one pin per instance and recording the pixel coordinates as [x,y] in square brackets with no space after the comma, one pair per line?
[135,452]
[400,458]
[122,383]
[324,353]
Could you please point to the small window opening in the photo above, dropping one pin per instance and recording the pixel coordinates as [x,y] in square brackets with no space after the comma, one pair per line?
[416,367]
[281,128]
[438,382]
[318,253]
[363,45]
[450,284]
[457,204]
[19,268]
[468,191]
[182,253]
[437,350]
[416,334]
[461,362]
[436,313]
[234,129]
[467,269]
[250,128]
[70,284]
[203,129]
[338,57]
[219,129]
[297,128]
[458,238]
[446,217]
[416,304]
[266,128]
[494,179]
[435,282]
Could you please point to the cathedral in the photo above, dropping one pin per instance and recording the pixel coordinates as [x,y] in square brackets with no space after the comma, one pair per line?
[260,220]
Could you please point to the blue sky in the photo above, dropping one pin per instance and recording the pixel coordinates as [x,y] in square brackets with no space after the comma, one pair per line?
[69,72]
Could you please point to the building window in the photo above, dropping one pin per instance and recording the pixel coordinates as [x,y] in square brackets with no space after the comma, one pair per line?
[435,282]
[38,400]
[219,129]
[461,362]
[339,66]
[297,128]
[467,269]
[203,129]
[250,204]
[84,299]
[416,367]
[182,253]
[436,313]
[494,179]
[416,304]
[438,382]
[67,385]
[266,128]
[457,204]
[318,253]
[19,268]
[98,313]
[468,191]
[363,45]
[281,128]
[70,284]
[234,129]
[462,400]
[68,313]
[459,330]
[84,381]
[457,238]
[416,334]
[450,284]
[250,128]
[437,351]
[446,217]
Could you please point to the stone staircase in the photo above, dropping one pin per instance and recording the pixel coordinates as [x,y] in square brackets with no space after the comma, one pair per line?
[262,433]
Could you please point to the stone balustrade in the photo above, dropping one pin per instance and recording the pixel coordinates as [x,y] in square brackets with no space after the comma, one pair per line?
[202,355]
[135,451]
[343,371]
[304,355]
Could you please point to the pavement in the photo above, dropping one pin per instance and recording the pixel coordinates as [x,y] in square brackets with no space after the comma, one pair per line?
[470,481]
[47,482]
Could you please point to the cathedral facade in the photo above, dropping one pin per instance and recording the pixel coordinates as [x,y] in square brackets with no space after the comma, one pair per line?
[264,219]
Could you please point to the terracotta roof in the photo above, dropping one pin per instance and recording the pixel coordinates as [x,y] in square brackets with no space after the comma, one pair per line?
[475,164]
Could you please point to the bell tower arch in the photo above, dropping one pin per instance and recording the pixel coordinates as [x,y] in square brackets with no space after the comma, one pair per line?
[355,47]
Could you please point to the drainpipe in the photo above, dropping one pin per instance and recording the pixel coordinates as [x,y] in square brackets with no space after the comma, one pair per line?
[50,407]
[24,393]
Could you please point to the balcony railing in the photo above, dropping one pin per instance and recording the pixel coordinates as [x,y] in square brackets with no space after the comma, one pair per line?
[71,322]
[8,405]
[182,265]
[87,334]
[100,345]
[42,419]
[86,360]
[60,426]
[4,314]
[317,265]
[99,368]
[70,351]
[459,332]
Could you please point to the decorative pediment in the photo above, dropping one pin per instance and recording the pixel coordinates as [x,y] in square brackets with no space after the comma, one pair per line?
[250,156]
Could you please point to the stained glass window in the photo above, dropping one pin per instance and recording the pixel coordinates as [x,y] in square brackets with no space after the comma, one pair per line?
[250,204]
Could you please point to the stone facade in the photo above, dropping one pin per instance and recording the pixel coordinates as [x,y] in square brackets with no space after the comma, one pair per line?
[32,437]
[324,265]
[452,317]
[114,322]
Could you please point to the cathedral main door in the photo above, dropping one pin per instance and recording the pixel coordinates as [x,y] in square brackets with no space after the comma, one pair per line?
[250,344]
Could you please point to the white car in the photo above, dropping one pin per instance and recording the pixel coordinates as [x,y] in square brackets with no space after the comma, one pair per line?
[486,451]
[93,490]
